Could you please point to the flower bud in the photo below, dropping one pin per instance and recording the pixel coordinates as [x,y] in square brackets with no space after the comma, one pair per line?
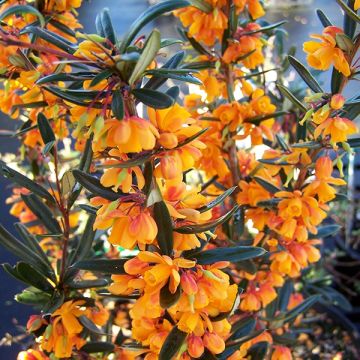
[214,343]
[195,346]
[34,323]
[188,284]
[337,101]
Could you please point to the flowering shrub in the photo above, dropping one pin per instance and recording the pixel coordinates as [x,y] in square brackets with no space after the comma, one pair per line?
[156,228]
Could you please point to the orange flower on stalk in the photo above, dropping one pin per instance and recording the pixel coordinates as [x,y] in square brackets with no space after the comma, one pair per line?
[336,127]
[166,269]
[31,354]
[204,27]
[322,54]
[320,186]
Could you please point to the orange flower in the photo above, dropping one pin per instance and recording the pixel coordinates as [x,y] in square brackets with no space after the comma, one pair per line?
[195,346]
[205,27]
[322,55]
[214,343]
[321,187]
[338,128]
[31,354]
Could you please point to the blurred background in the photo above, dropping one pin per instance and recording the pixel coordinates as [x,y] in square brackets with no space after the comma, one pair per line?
[302,21]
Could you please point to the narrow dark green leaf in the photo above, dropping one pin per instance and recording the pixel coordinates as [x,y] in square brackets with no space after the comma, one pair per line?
[172,344]
[305,75]
[93,185]
[164,224]
[256,120]
[336,79]
[117,105]
[194,229]
[288,94]
[52,38]
[22,9]
[89,325]
[233,254]
[172,63]
[43,213]
[348,11]
[217,200]
[242,328]
[197,46]
[153,98]
[107,26]
[192,138]
[167,299]
[349,23]
[265,29]
[33,277]
[136,161]
[22,180]
[284,295]
[259,350]
[12,271]
[85,243]
[106,266]
[169,42]
[98,347]
[102,75]
[293,313]
[174,92]
[16,247]
[175,76]
[323,18]
[88,284]
[64,77]
[147,16]
[268,186]
[325,231]
[48,147]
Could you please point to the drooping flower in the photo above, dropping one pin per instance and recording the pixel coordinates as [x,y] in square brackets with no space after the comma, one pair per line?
[322,54]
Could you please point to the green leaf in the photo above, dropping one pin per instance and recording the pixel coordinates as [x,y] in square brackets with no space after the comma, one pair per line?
[174,92]
[48,147]
[33,277]
[148,54]
[217,201]
[349,12]
[98,347]
[336,79]
[259,350]
[22,180]
[233,254]
[102,75]
[89,325]
[169,42]
[135,161]
[284,295]
[172,63]
[264,29]
[175,75]
[22,9]
[56,300]
[43,213]
[242,328]
[256,120]
[152,98]
[194,229]
[344,43]
[52,38]
[197,46]
[87,284]
[67,182]
[325,231]
[164,223]
[349,23]
[107,26]
[172,344]
[16,247]
[288,94]
[305,75]
[323,18]
[64,77]
[85,243]
[92,184]
[293,313]
[271,188]
[33,244]
[106,266]
[117,105]
[147,16]
[192,138]
[167,299]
